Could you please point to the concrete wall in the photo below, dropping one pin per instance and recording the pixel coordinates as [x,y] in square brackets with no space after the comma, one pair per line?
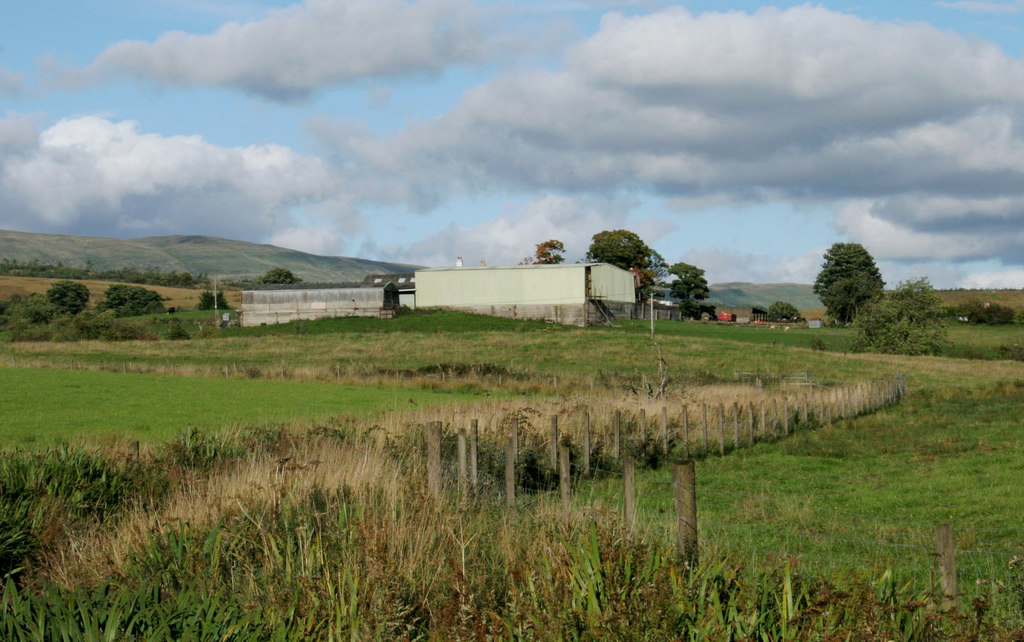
[281,306]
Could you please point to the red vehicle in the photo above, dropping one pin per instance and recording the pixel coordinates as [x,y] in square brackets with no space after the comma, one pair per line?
[726,316]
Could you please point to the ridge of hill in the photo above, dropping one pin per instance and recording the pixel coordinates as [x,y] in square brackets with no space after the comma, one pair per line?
[214,256]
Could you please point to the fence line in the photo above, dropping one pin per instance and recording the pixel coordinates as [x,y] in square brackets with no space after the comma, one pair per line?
[512,472]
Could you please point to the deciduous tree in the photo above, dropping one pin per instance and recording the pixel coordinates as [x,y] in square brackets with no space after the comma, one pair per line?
[549,252]
[907,320]
[131,300]
[848,280]
[278,276]
[626,250]
[783,311]
[70,297]
[690,287]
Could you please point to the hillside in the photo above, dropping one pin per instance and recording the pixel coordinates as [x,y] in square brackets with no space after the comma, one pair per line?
[196,254]
[762,295]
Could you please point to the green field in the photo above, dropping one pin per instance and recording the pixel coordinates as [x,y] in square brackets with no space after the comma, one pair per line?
[823,534]
[44,407]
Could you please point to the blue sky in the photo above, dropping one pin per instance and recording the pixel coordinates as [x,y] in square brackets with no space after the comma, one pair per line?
[744,138]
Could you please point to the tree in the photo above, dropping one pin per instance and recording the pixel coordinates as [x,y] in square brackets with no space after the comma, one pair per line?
[71,297]
[848,280]
[131,300]
[549,252]
[907,320]
[690,287]
[278,276]
[624,249]
[208,302]
[783,311]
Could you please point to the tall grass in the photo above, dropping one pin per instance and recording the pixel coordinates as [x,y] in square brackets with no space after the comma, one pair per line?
[328,535]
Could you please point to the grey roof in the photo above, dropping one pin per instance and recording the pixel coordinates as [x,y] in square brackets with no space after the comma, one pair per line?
[353,285]
[404,281]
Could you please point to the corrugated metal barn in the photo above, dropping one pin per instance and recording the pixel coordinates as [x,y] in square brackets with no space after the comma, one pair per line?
[575,294]
[267,304]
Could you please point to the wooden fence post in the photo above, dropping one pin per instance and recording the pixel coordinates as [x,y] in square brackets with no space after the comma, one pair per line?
[735,425]
[463,472]
[750,422]
[704,407]
[136,451]
[686,432]
[474,440]
[947,565]
[510,472]
[684,476]
[785,415]
[643,425]
[563,481]
[434,459]
[617,436]
[764,420]
[721,429]
[554,442]
[586,444]
[628,496]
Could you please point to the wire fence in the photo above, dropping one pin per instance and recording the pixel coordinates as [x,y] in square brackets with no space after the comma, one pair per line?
[525,473]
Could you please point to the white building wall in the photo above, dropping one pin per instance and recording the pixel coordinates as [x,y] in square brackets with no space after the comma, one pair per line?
[551,292]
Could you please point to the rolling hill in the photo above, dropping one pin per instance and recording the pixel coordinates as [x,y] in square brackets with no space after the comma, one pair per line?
[197,254]
[762,295]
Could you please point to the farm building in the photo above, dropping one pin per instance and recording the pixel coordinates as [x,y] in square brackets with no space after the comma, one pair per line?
[741,314]
[575,294]
[405,282]
[266,304]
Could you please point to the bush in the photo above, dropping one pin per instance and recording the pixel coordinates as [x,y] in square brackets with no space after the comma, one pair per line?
[782,311]
[131,301]
[907,320]
[70,297]
[984,313]
[207,301]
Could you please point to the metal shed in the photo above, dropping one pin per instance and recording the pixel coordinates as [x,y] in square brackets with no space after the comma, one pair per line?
[265,304]
[575,294]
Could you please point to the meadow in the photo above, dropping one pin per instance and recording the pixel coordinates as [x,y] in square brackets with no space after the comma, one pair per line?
[314,506]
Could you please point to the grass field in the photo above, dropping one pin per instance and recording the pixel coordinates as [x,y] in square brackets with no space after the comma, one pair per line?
[45,407]
[173,297]
[820,535]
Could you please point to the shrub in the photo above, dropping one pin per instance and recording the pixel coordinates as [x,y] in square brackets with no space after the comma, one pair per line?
[131,300]
[907,320]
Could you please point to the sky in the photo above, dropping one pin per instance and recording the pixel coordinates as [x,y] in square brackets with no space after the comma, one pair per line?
[740,137]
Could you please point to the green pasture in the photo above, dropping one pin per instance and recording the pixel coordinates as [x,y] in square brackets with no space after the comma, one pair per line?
[43,406]
[867,493]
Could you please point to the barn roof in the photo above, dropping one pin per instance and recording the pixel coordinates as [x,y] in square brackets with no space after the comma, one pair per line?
[354,285]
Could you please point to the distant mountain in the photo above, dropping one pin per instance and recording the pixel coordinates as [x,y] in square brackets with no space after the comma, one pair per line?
[197,254]
[763,295]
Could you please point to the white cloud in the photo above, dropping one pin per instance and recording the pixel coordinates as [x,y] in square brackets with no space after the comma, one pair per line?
[297,50]
[91,175]
[804,105]
[313,239]
[509,238]
[999,279]
[727,266]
